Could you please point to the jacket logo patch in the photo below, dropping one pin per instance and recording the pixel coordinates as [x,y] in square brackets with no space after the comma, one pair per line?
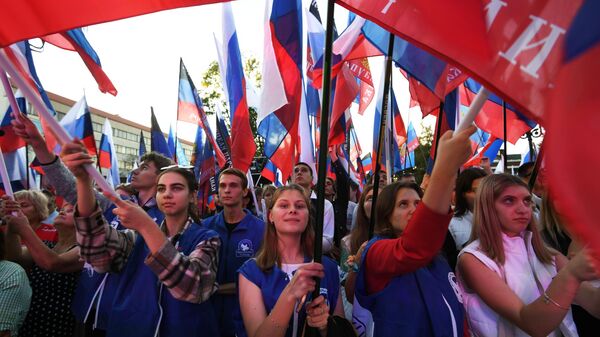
[244,248]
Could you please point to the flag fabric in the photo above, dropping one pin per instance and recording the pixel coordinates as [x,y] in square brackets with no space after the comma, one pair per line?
[19,55]
[191,110]
[9,141]
[78,123]
[514,49]
[449,121]
[142,148]
[367,163]
[491,118]
[573,107]
[345,90]
[16,166]
[423,97]
[44,18]
[489,150]
[203,160]
[243,147]
[223,139]
[306,148]
[158,143]
[75,40]
[171,142]
[271,173]
[315,46]
[107,156]
[181,157]
[280,127]
[438,76]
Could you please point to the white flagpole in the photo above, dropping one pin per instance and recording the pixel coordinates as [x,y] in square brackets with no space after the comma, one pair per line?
[4,174]
[474,109]
[60,133]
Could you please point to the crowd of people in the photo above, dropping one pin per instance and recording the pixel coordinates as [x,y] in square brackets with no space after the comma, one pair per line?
[144,263]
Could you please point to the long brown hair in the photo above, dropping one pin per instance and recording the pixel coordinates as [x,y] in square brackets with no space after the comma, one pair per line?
[486,223]
[360,232]
[386,201]
[268,254]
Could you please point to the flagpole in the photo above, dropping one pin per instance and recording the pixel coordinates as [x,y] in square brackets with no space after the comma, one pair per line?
[5,177]
[532,154]
[438,130]
[324,132]
[60,133]
[505,136]
[386,90]
[536,169]
[16,111]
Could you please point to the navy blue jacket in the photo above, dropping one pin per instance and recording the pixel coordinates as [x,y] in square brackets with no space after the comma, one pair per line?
[143,306]
[419,304]
[96,291]
[237,247]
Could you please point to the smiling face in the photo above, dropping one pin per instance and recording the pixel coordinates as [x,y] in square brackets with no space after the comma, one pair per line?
[290,213]
[173,194]
[406,203]
[513,207]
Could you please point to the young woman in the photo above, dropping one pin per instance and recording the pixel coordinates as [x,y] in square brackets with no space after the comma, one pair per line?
[464,197]
[53,271]
[512,284]
[273,285]
[402,280]
[167,272]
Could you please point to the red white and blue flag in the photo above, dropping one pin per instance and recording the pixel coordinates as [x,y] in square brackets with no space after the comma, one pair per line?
[271,173]
[75,40]
[243,147]
[191,110]
[9,141]
[279,127]
[107,156]
[78,123]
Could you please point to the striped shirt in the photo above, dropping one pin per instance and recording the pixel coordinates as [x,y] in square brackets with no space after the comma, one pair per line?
[189,278]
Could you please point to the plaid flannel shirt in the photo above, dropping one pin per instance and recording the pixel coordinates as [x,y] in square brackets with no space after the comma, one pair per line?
[189,278]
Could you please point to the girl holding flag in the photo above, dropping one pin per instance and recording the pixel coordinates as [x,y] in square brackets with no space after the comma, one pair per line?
[168,272]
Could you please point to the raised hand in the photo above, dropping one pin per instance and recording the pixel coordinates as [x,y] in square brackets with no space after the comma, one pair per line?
[74,155]
[130,214]
[582,266]
[11,215]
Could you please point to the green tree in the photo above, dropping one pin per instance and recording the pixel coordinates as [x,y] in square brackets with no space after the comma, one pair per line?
[213,96]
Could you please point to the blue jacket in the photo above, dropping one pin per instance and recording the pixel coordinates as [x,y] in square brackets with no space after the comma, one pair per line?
[237,247]
[96,291]
[274,281]
[416,304]
[143,306]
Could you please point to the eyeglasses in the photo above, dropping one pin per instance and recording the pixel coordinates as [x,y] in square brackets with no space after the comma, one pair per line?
[184,167]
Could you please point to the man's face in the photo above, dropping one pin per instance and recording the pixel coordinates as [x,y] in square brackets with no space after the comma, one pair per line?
[302,176]
[144,177]
[329,190]
[231,191]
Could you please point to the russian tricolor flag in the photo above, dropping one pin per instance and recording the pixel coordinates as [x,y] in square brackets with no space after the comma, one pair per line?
[232,73]
[107,156]
[9,141]
[74,40]
[284,47]
[78,123]
[271,173]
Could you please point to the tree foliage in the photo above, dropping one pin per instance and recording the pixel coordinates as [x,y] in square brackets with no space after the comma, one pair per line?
[213,96]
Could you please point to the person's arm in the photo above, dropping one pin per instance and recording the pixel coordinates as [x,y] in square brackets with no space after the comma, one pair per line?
[14,251]
[275,324]
[189,278]
[328,227]
[538,318]
[588,296]
[426,231]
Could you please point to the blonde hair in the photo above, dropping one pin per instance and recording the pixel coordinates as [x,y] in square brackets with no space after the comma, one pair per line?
[486,223]
[268,254]
[37,199]
[551,222]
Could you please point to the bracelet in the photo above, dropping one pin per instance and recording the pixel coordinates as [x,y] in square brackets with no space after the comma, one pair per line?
[547,300]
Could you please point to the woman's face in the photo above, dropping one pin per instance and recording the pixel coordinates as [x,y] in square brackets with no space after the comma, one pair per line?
[368,203]
[172,194]
[29,211]
[406,203]
[514,209]
[65,216]
[290,213]
[470,194]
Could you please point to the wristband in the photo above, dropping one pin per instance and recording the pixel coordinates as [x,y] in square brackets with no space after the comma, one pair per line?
[547,300]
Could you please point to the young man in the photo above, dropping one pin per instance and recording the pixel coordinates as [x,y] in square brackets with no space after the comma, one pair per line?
[241,236]
[303,176]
